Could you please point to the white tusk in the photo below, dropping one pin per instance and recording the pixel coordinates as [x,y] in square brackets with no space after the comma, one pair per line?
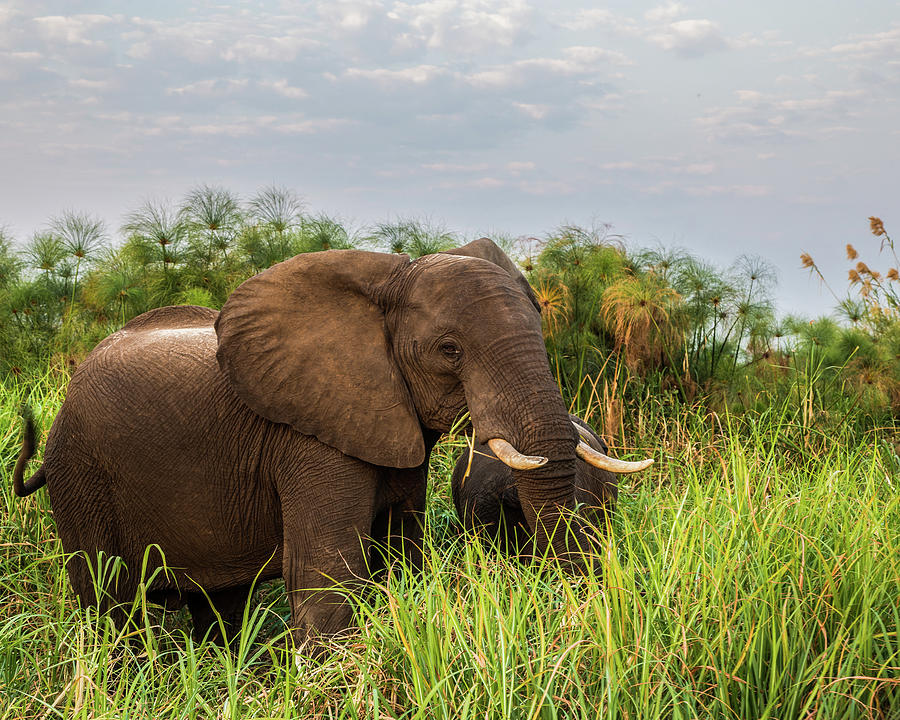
[508,455]
[605,462]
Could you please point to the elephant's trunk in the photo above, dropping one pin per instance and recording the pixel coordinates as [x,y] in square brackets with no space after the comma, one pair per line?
[547,493]
[526,410]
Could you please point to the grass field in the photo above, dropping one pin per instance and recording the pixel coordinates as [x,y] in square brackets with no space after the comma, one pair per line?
[750,574]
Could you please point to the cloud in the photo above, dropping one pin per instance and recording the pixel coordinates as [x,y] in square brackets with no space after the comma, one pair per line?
[456,167]
[620,165]
[749,96]
[7,14]
[538,112]
[313,126]
[611,104]
[349,15]
[761,116]
[499,99]
[418,75]
[594,18]
[199,41]
[220,36]
[831,100]
[577,60]
[690,38]
[209,88]
[660,166]
[736,125]
[705,191]
[240,126]
[71,29]
[665,13]
[882,46]
[488,183]
[285,89]
[706,168]
[283,48]
[20,66]
[86,84]
[229,129]
[461,25]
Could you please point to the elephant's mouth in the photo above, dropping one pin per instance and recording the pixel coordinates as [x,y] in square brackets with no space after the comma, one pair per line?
[508,455]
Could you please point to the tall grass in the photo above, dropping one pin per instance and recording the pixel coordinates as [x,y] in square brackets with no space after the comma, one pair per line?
[749,576]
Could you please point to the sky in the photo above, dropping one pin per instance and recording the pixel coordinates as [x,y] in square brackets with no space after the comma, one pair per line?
[726,128]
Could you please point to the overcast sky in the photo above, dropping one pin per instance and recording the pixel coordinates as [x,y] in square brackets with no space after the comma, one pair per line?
[766,127]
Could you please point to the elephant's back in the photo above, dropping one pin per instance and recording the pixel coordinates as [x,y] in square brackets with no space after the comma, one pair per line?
[173,316]
[151,348]
[160,368]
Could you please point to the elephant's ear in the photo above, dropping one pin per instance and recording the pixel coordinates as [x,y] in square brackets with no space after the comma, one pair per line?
[304,343]
[487,249]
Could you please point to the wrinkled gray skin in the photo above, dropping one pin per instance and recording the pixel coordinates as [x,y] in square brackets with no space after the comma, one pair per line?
[285,434]
[488,500]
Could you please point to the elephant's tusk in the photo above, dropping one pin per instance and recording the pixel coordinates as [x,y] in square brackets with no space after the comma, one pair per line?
[605,462]
[508,455]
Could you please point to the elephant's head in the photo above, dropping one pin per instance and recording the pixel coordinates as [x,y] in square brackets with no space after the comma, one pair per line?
[365,350]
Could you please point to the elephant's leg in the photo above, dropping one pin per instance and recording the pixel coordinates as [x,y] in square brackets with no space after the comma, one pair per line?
[102,571]
[326,522]
[399,532]
[228,603]
[317,578]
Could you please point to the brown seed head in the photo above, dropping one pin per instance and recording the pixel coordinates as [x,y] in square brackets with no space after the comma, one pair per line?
[866,288]
[876,226]
[807,260]
[875,275]
[851,252]
[862,268]
[892,274]
[853,276]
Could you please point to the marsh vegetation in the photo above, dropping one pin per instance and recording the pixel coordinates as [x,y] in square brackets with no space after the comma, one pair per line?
[752,573]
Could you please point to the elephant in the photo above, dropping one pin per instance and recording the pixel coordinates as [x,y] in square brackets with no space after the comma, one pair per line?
[486,497]
[288,435]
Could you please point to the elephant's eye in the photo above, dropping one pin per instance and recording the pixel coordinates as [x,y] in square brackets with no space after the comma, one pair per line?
[451,350]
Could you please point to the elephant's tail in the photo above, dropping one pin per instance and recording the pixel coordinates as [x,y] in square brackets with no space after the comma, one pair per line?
[21,486]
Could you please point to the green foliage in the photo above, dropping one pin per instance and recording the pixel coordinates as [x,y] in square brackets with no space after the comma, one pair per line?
[10,264]
[277,209]
[322,232]
[619,324]
[570,272]
[748,575]
[67,290]
[751,574]
[411,236]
